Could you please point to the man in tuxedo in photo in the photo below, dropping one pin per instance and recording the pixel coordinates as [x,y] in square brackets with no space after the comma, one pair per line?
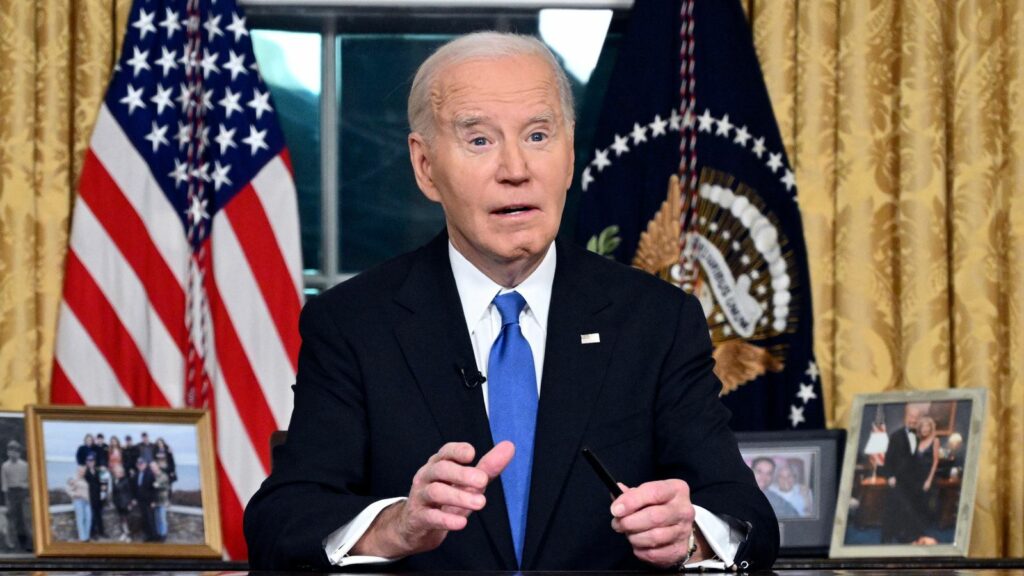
[900,524]
[442,398]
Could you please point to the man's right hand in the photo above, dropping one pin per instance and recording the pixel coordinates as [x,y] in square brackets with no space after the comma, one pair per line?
[445,491]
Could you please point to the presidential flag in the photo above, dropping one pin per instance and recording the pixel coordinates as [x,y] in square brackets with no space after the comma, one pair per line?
[183,284]
[690,181]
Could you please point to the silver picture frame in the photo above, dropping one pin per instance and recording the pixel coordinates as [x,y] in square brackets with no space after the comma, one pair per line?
[909,474]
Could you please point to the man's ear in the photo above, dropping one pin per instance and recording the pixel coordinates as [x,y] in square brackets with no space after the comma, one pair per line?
[419,155]
[572,155]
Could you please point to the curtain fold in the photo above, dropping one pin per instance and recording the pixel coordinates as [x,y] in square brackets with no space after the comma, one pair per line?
[55,62]
[903,122]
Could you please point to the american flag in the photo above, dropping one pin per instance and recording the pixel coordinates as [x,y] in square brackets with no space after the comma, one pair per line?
[183,283]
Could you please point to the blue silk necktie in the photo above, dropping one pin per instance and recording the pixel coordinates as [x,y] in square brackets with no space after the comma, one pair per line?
[512,403]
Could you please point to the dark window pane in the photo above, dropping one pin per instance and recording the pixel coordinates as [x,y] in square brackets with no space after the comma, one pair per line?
[382,212]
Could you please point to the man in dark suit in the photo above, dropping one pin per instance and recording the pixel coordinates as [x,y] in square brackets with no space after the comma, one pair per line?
[576,351]
[901,524]
[143,497]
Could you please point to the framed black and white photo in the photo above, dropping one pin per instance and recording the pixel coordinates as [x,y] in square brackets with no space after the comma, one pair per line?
[123,482]
[15,495]
[798,473]
[909,474]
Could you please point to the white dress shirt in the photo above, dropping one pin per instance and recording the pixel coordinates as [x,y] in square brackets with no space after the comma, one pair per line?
[483,321]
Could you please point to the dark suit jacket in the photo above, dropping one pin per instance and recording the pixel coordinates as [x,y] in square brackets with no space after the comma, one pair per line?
[898,456]
[900,525]
[143,493]
[378,392]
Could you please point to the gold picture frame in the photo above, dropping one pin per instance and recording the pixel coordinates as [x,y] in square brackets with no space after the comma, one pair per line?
[140,513]
[905,490]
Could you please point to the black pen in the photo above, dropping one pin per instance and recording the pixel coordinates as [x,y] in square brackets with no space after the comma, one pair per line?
[602,473]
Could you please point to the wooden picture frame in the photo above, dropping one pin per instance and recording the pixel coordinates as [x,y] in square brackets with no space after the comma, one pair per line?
[805,501]
[155,500]
[15,500]
[907,492]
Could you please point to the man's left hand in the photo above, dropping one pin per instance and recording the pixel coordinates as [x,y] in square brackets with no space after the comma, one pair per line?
[657,518]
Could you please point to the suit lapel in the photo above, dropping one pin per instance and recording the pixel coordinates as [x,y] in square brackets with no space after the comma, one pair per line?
[436,344]
[572,381]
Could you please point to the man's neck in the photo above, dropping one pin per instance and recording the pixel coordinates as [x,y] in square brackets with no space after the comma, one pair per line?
[506,274]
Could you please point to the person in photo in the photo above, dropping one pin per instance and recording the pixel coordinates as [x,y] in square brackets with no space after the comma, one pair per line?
[764,474]
[796,493]
[78,489]
[161,500]
[121,490]
[14,483]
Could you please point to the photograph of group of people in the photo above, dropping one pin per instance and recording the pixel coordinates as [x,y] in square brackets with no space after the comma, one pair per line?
[787,480]
[120,482]
[908,475]
[15,502]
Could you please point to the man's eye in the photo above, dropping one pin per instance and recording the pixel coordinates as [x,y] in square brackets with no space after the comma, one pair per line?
[538,137]
[479,141]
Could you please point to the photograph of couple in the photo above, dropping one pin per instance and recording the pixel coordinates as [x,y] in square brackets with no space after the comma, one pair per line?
[787,480]
[908,476]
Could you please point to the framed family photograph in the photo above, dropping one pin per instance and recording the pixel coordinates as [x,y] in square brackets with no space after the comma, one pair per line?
[909,474]
[123,482]
[15,502]
[798,471]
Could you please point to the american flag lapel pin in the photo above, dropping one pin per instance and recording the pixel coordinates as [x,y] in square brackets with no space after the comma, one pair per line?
[593,338]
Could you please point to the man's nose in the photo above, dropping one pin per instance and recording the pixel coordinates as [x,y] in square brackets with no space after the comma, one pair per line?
[513,169]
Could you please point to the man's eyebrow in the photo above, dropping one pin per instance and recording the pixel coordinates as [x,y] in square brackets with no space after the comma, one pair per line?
[547,116]
[468,120]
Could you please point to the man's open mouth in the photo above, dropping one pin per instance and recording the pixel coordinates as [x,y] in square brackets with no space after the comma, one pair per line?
[513,210]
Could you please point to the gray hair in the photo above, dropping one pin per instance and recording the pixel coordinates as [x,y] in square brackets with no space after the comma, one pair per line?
[479,46]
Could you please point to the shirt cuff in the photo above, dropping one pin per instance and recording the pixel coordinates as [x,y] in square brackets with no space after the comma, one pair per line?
[724,540]
[338,543]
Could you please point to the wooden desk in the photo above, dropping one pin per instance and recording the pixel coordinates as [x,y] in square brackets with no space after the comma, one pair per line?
[783,567]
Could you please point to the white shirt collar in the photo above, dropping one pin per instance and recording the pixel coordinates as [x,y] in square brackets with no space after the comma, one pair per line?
[476,290]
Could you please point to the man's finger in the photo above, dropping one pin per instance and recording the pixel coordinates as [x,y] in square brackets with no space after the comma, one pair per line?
[649,494]
[450,472]
[650,518]
[657,537]
[497,459]
[436,519]
[461,452]
[437,495]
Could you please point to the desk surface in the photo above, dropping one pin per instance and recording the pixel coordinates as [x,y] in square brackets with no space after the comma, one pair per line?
[783,567]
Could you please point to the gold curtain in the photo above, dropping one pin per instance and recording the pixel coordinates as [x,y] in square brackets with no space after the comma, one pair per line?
[904,123]
[55,61]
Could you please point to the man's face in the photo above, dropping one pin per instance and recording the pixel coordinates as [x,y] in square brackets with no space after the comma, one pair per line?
[911,415]
[763,473]
[13,455]
[785,479]
[501,158]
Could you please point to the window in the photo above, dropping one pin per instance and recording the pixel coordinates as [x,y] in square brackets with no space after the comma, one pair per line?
[340,77]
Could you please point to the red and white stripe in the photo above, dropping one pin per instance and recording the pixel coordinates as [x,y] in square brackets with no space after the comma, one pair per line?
[121,338]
